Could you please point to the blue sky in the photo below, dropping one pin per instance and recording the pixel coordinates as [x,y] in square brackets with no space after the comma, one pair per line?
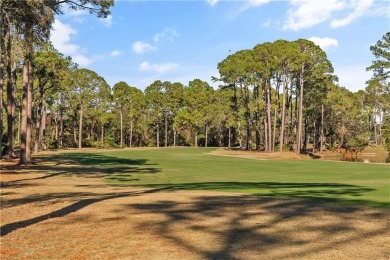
[144,41]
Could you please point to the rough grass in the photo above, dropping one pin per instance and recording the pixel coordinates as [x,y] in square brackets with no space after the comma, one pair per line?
[197,169]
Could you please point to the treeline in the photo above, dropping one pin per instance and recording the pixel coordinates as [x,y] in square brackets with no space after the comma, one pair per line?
[277,96]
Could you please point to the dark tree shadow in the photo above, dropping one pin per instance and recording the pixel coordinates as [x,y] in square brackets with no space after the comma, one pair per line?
[320,192]
[244,230]
[87,165]
[8,228]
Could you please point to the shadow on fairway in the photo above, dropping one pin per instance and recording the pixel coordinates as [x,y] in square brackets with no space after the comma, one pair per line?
[89,198]
[88,165]
[239,227]
[326,192]
[91,159]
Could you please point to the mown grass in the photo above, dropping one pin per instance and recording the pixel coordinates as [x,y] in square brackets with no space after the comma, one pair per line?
[195,169]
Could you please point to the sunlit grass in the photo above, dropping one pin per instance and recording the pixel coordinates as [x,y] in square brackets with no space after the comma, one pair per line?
[196,169]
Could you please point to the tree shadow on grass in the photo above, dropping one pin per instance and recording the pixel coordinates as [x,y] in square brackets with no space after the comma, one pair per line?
[239,227]
[88,165]
[91,159]
[8,228]
[325,192]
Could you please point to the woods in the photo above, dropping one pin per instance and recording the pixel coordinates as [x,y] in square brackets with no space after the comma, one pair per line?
[277,96]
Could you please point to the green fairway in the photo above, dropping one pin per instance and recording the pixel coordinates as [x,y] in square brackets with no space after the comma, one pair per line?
[195,169]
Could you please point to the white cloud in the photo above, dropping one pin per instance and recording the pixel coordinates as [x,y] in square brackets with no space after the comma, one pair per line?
[115,53]
[82,60]
[251,4]
[307,13]
[107,21]
[61,37]
[158,67]
[141,47]
[212,2]
[353,77]
[361,7]
[325,42]
[257,3]
[169,33]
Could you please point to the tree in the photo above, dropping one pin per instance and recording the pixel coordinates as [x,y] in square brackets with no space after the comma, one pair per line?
[50,68]
[136,106]
[121,93]
[87,87]
[156,105]
[378,88]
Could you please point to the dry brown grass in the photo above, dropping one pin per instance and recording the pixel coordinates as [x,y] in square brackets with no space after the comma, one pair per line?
[74,217]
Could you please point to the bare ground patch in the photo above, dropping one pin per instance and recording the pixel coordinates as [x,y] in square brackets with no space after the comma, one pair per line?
[77,216]
[259,155]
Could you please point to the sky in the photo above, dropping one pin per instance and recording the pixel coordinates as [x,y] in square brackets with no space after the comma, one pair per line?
[179,41]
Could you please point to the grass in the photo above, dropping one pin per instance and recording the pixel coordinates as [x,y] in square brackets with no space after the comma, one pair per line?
[195,169]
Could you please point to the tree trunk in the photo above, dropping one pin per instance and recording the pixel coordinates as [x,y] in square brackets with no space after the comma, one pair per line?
[10,94]
[282,126]
[38,122]
[1,99]
[196,139]
[205,141]
[322,129]
[304,145]
[266,144]
[300,111]
[131,133]
[269,116]
[158,135]
[29,107]
[230,137]
[42,130]
[23,131]
[102,134]
[166,129]
[174,137]
[121,119]
[2,56]
[375,129]
[19,125]
[80,126]
[61,131]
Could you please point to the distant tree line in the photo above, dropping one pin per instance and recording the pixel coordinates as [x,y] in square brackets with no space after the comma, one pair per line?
[278,96]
